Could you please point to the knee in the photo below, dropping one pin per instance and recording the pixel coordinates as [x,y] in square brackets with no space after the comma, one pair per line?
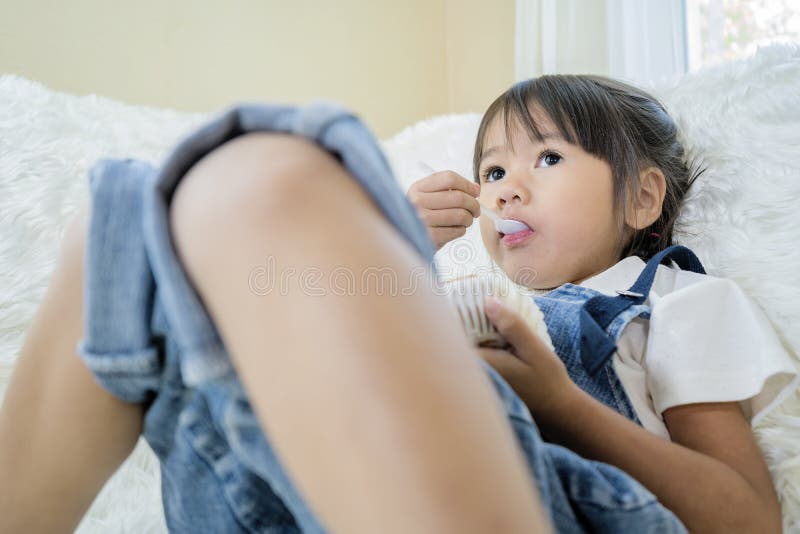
[261,171]
[255,182]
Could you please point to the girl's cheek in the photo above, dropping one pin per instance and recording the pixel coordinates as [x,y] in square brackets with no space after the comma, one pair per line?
[488,234]
[482,196]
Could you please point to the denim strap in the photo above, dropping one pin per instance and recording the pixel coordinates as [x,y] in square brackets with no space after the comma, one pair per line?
[599,311]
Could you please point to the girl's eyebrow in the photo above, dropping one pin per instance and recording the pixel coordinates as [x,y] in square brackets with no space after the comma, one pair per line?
[487,153]
[546,136]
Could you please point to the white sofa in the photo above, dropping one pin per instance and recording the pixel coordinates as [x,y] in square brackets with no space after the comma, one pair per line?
[741,119]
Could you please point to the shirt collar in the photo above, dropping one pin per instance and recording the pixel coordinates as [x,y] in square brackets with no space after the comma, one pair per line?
[621,276]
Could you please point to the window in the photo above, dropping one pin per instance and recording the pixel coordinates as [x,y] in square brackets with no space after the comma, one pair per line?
[646,41]
[722,30]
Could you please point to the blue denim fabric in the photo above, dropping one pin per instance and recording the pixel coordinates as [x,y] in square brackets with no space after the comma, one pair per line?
[149,339]
[584,325]
[562,310]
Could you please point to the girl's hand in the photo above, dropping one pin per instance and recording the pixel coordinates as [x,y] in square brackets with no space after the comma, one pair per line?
[531,368]
[446,203]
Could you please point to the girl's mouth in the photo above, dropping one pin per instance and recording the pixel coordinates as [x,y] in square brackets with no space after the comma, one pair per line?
[512,240]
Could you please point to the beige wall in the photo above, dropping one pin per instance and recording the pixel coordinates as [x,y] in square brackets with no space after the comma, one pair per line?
[393,62]
[479,52]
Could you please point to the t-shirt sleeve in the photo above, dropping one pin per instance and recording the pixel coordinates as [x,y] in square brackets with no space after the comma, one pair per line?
[709,342]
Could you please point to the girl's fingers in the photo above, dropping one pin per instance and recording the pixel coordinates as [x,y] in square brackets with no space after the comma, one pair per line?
[445,200]
[444,180]
[444,234]
[446,217]
[514,329]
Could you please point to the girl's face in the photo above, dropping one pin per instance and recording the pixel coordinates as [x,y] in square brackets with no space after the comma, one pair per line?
[563,193]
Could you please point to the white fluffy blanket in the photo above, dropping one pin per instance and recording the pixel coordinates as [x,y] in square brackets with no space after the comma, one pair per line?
[742,119]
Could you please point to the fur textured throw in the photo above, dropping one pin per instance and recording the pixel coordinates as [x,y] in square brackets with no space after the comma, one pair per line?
[741,120]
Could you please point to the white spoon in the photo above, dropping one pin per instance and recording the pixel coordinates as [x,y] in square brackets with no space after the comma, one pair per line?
[505,226]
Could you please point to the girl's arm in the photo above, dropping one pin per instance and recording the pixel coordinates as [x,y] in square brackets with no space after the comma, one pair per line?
[711,475]
[61,435]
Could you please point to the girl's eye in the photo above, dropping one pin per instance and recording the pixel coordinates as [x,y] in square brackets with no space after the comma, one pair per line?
[548,159]
[493,174]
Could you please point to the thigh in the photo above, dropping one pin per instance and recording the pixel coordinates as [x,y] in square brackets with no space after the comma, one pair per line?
[351,353]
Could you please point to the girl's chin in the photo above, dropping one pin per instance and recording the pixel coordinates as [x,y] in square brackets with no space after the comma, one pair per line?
[525,275]
[531,277]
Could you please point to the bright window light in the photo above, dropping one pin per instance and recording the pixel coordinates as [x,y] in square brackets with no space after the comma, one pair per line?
[721,30]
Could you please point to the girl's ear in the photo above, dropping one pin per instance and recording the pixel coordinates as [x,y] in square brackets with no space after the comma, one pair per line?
[646,206]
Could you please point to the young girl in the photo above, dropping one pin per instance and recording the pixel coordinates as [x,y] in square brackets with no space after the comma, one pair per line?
[672,365]
[315,404]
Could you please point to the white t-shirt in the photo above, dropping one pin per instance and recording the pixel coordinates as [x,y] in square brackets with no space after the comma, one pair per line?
[706,341]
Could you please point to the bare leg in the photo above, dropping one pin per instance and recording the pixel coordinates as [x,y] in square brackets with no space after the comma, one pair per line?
[392,388]
[61,434]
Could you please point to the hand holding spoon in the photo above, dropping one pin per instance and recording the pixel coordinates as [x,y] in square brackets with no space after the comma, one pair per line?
[505,226]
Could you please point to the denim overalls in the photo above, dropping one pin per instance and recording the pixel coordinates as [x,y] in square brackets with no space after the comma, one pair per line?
[149,339]
[585,325]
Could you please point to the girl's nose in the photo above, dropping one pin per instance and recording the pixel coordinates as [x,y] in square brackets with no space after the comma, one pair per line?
[511,191]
